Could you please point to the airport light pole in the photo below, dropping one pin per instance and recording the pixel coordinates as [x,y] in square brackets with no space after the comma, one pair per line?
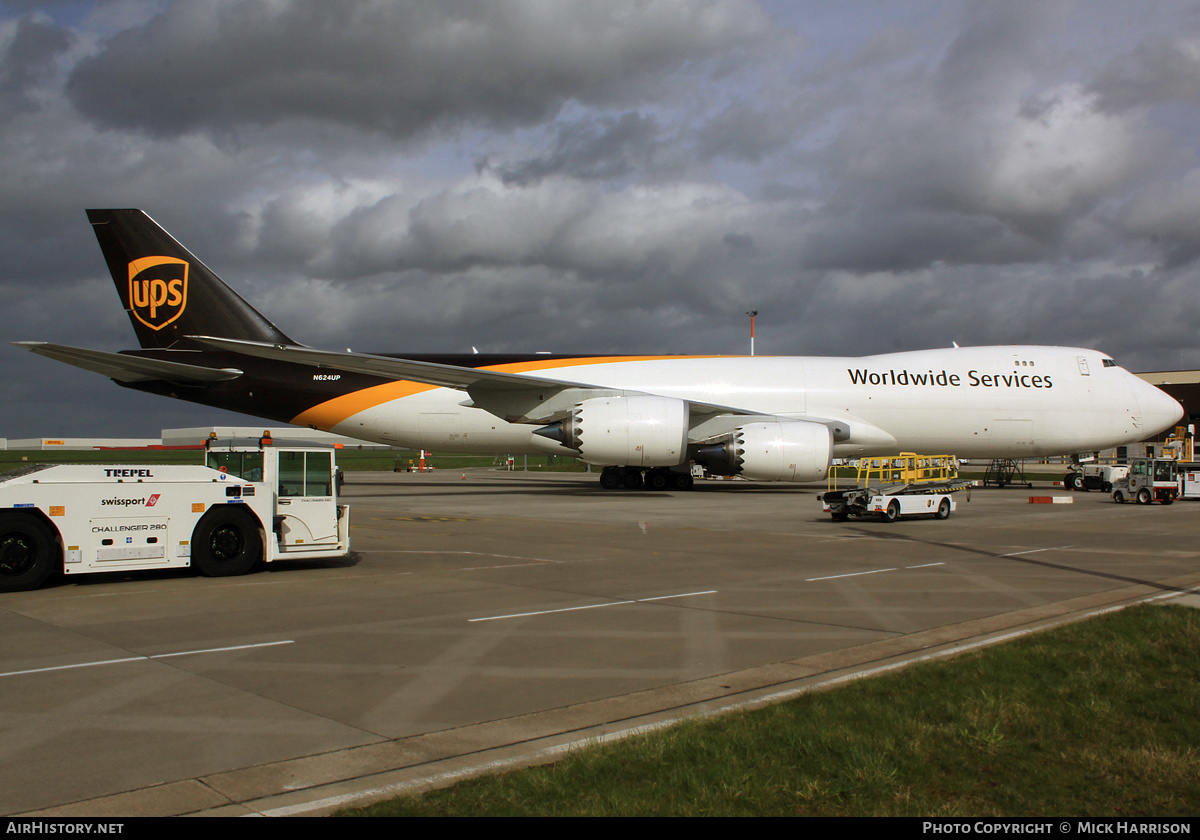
[752,313]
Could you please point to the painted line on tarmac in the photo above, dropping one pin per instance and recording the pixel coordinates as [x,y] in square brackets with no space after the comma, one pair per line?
[145,658]
[1036,550]
[464,553]
[850,574]
[593,606]
[873,572]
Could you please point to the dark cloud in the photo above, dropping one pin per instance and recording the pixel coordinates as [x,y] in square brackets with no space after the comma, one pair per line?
[587,229]
[738,241]
[981,141]
[1164,69]
[745,132]
[1167,215]
[397,68]
[606,177]
[882,240]
[598,148]
[990,59]
[26,60]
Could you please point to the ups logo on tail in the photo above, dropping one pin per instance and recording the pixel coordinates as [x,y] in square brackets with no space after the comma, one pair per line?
[157,290]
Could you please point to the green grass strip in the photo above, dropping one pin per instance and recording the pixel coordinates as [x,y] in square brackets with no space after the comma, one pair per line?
[1099,718]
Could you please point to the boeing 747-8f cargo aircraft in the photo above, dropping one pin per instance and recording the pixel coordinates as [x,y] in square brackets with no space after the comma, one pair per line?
[765,418]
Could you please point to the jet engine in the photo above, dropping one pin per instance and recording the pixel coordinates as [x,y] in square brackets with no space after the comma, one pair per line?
[639,431]
[796,450]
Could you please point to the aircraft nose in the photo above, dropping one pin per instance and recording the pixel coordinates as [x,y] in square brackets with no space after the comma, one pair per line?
[1160,411]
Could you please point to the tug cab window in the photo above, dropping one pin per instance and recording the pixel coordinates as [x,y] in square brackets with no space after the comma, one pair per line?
[247,465]
[1164,471]
[305,474]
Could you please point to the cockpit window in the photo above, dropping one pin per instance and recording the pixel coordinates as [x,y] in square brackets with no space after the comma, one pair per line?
[1109,363]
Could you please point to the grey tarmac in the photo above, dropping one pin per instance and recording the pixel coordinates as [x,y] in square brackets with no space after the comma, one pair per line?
[494,619]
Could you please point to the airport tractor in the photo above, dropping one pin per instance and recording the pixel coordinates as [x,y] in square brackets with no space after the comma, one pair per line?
[892,487]
[253,500]
[1091,476]
[1149,480]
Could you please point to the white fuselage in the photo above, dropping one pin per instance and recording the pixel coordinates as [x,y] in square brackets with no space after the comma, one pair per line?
[1014,401]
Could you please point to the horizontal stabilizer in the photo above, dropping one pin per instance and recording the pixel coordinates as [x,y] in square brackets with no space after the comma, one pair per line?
[125,368]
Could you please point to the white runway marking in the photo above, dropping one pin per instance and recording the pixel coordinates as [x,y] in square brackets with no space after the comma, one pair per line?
[593,606]
[872,572]
[463,553]
[143,658]
[848,574]
[1036,550]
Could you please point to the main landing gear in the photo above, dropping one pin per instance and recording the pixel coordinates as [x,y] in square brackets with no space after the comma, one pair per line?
[658,478]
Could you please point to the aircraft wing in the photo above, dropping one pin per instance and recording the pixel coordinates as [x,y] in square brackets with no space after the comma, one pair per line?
[125,368]
[516,397]
[429,373]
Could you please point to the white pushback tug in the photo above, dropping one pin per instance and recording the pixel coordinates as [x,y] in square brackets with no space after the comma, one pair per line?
[253,500]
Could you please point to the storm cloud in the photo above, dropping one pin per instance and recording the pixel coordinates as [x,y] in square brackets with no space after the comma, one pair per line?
[402,69]
[606,177]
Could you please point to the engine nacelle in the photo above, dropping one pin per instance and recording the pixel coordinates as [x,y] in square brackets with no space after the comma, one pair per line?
[797,450]
[640,431]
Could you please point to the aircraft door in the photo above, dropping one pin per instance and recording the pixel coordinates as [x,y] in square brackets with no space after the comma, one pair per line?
[1011,434]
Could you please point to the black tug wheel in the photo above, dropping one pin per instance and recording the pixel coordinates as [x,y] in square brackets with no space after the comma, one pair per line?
[226,542]
[29,552]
